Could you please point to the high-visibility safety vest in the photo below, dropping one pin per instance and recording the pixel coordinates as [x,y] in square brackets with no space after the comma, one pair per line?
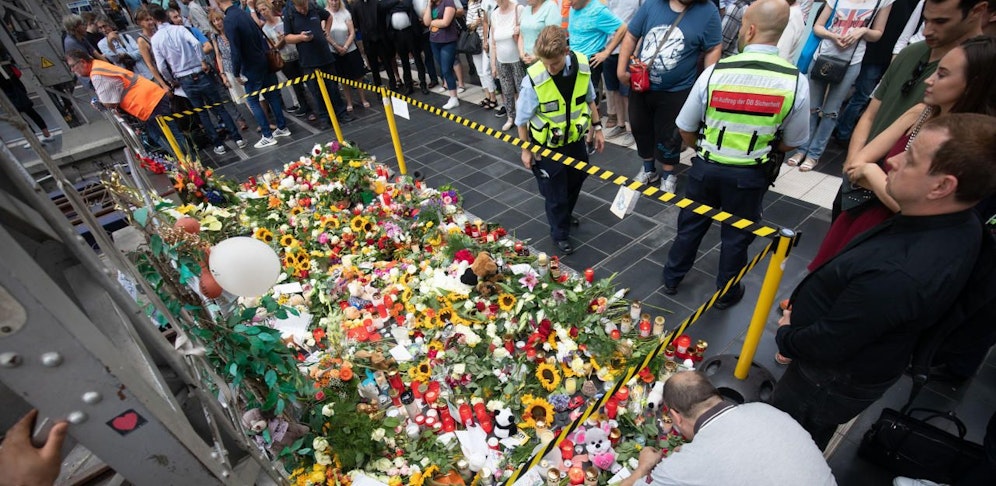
[140,96]
[557,121]
[749,96]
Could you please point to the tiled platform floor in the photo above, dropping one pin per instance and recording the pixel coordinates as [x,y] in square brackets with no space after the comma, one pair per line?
[496,186]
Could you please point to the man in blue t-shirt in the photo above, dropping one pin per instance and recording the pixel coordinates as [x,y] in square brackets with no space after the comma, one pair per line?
[672,73]
[595,32]
[303,28]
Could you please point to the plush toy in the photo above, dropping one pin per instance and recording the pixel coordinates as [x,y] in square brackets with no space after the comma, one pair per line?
[282,433]
[596,443]
[483,274]
[505,423]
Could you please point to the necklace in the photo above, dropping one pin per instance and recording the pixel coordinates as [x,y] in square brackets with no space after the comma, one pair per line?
[924,115]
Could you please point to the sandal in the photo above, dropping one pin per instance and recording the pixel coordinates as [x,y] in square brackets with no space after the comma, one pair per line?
[782,360]
[795,159]
[808,164]
[485,103]
[312,117]
[349,109]
[366,104]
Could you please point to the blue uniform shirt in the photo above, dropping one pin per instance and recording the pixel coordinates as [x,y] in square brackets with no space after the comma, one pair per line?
[525,106]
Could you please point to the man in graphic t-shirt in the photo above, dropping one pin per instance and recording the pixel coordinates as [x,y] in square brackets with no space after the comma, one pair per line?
[672,74]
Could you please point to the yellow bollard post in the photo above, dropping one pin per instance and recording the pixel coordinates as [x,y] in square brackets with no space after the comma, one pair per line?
[180,155]
[393,125]
[772,278]
[319,75]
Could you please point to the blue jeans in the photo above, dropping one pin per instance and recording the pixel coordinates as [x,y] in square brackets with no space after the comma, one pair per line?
[272,97]
[446,52]
[202,90]
[736,190]
[864,86]
[824,103]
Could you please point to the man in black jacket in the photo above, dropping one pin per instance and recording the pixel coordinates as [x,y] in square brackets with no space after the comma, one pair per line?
[249,59]
[401,29]
[303,26]
[371,19]
[855,320]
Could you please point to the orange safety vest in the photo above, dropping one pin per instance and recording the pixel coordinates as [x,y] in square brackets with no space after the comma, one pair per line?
[565,12]
[140,96]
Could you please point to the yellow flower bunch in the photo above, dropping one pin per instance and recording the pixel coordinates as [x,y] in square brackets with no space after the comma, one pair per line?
[288,241]
[548,376]
[506,302]
[263,234]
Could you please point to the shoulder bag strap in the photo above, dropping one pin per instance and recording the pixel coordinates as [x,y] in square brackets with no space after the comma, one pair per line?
[667,35]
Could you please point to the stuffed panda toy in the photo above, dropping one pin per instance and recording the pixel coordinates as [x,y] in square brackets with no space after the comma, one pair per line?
[505,423]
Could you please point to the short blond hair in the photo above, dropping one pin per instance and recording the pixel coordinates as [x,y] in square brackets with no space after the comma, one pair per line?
[551,43]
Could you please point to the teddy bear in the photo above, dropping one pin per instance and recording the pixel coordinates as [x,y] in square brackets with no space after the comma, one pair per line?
[482,274]
[505,423]
[596,443]
[282,432]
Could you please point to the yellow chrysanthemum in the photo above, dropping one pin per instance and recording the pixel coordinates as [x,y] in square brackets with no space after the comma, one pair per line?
[357,223]
[548,376]
[538,410]
[186,208]
[416,479]
[506,302]
[263,234]
[356,164]
[430,471]
[288,241]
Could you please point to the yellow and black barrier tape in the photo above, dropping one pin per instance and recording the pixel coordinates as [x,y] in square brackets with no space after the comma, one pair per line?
[756,228]
[275,87]
[665,340]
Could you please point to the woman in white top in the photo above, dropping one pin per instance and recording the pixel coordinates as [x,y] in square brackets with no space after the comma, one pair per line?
[348,61]
[223,63]
[477,20]
[790,42]
[855,22]
[273,27]
[505,54]
[540,14]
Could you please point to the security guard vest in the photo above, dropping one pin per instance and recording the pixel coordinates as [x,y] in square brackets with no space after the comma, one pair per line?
[557,121]
[749,95]
[140,96]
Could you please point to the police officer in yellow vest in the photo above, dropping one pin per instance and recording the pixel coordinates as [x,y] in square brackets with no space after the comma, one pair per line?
[556,109]
[120,89]
[741,113]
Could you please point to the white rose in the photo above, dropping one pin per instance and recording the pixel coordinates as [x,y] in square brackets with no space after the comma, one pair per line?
[323,458]
[320,444]
[327,410]
[378,435]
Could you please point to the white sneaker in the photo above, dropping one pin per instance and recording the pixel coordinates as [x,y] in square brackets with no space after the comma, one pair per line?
[670,184]
[452,103]
[44,139]
[626,139]
[508,125]
[241,143]
[904,481]
[647,177]
[265,142]
[615,132]
[461,89]
[281,132]
[220,150]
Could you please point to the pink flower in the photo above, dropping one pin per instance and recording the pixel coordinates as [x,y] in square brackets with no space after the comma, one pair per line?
[529,280]
[323,238]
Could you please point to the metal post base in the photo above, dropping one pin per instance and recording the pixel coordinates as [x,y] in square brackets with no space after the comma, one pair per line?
[756,388]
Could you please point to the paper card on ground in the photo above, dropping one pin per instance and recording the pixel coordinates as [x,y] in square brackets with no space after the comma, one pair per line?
[294,326]
[364,480]
[520,268]
[288,288]
[625,202]
[400,108]
[622,474]
[401,354]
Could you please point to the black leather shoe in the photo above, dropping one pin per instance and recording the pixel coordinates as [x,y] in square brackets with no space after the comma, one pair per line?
[670,289]
[409,90]
[565,247]
[731,298]
[345,117]
[575,221]
[432,85]
[424,89]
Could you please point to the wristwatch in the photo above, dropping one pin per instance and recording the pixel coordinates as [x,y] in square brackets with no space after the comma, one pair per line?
[597,126]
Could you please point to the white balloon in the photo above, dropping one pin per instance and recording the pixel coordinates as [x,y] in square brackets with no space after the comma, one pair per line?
[244,266]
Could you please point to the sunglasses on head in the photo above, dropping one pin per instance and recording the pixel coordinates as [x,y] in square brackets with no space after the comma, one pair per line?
[914,77]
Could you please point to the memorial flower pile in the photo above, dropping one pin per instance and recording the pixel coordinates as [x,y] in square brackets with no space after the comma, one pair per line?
[435,347]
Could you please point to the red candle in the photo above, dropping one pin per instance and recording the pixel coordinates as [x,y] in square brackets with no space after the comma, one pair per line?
[431,396]
[449,425]
[611,408]
[466,415]
[387,198]
[395,380]
[681,344]
[615,335]
[645,328]
[382,311]
[622,395]
[566,449]
[576,475]
[518,247]
[589,275]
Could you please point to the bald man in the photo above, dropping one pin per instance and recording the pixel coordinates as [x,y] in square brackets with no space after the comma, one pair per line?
[749,444]
[742,114]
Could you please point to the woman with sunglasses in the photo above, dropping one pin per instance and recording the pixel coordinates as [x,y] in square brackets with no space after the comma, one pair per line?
[963,83]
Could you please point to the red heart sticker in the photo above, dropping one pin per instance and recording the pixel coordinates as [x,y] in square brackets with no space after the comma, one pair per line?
[126,422]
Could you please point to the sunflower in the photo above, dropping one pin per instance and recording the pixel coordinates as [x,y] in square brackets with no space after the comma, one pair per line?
[506,301]
[446,314]
[296,210]
[357,223]
[456,297]
[406,295]
[565,368]
[331,223]
[287,241]
[368,226]
[420,372]
[263,234]
[548,376]
[538,410]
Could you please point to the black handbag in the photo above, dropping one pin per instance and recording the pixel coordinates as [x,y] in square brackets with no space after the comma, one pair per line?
[911,447]
[830,69]
[469,42]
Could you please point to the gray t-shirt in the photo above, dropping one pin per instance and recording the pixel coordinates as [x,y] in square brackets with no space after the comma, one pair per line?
[747,445]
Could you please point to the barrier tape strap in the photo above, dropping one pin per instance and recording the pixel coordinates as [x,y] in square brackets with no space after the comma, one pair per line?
[275,87]
[756,228]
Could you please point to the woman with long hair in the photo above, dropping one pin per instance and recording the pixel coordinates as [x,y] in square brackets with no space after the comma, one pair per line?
[273,28]
[348,62]
[477,20]
[223,60]
[443,35]
[964,82]
[149,26]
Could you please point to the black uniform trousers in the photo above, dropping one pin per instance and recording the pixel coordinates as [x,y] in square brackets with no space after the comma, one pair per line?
[407,42]
[735,189]
[560,185]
